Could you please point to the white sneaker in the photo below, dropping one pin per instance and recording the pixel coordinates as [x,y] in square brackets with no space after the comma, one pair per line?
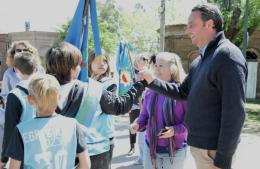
[138,162]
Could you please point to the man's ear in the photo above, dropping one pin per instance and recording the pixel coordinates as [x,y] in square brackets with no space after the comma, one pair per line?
[210,24]
[31,100]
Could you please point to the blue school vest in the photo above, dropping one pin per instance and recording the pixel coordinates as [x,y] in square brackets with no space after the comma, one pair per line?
[49,142]
[29,111]
[91,117]
[109,130]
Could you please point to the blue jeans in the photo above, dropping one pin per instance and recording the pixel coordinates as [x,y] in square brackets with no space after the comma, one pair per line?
[141,143]
[163,161]
[2,123]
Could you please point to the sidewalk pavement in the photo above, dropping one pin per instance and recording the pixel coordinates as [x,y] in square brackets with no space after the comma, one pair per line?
[122,146]
[246,156]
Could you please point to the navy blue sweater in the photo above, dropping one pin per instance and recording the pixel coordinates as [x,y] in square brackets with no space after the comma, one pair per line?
[215,90]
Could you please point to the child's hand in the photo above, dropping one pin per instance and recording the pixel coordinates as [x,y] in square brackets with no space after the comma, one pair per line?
[140,66]
[134,128]
[145,74]
[168,133]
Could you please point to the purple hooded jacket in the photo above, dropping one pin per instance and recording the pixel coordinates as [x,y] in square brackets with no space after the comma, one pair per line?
[180,131]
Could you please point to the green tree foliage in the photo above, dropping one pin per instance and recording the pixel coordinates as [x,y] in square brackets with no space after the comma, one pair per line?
[108,14]
[115,24]
[233,13]
[140,30]
[63,30]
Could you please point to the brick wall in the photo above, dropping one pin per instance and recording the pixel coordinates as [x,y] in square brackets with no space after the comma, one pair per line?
[4,44]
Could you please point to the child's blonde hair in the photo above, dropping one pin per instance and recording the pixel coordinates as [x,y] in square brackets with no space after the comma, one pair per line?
[177,71]
[45,90]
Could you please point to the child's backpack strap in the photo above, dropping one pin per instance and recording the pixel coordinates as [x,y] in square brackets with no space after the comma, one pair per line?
[23,89]
[90,106]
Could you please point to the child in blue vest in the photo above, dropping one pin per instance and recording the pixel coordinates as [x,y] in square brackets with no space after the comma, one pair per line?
[99,69]
[49,140]
[11,79]
[17,107]
[87,101]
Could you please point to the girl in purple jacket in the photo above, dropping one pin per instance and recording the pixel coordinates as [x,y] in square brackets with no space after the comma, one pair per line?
[163,119]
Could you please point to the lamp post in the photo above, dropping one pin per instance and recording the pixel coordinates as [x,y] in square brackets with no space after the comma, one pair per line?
[245,32]
[162,25]
[27,26]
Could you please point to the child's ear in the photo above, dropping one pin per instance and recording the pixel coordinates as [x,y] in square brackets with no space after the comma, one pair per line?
[31,100]
[18,73]
[17,70]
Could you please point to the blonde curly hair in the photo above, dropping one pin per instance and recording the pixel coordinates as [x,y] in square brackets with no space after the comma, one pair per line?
[12,50]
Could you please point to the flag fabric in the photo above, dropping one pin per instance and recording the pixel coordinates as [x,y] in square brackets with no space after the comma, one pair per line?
[124,69]
[78,33]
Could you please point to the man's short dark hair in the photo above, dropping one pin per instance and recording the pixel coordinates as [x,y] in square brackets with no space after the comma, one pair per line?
[209,11]
[25,62]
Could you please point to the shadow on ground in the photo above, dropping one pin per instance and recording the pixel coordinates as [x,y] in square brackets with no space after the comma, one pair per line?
[123,158]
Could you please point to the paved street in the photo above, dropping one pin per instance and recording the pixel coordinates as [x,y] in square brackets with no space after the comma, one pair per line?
[247,154]
[122,146]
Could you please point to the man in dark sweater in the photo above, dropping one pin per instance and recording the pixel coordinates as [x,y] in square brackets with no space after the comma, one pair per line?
[214,88]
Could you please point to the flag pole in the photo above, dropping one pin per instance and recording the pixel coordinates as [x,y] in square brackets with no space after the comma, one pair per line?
[86,5]
[133,71]
[85,11]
